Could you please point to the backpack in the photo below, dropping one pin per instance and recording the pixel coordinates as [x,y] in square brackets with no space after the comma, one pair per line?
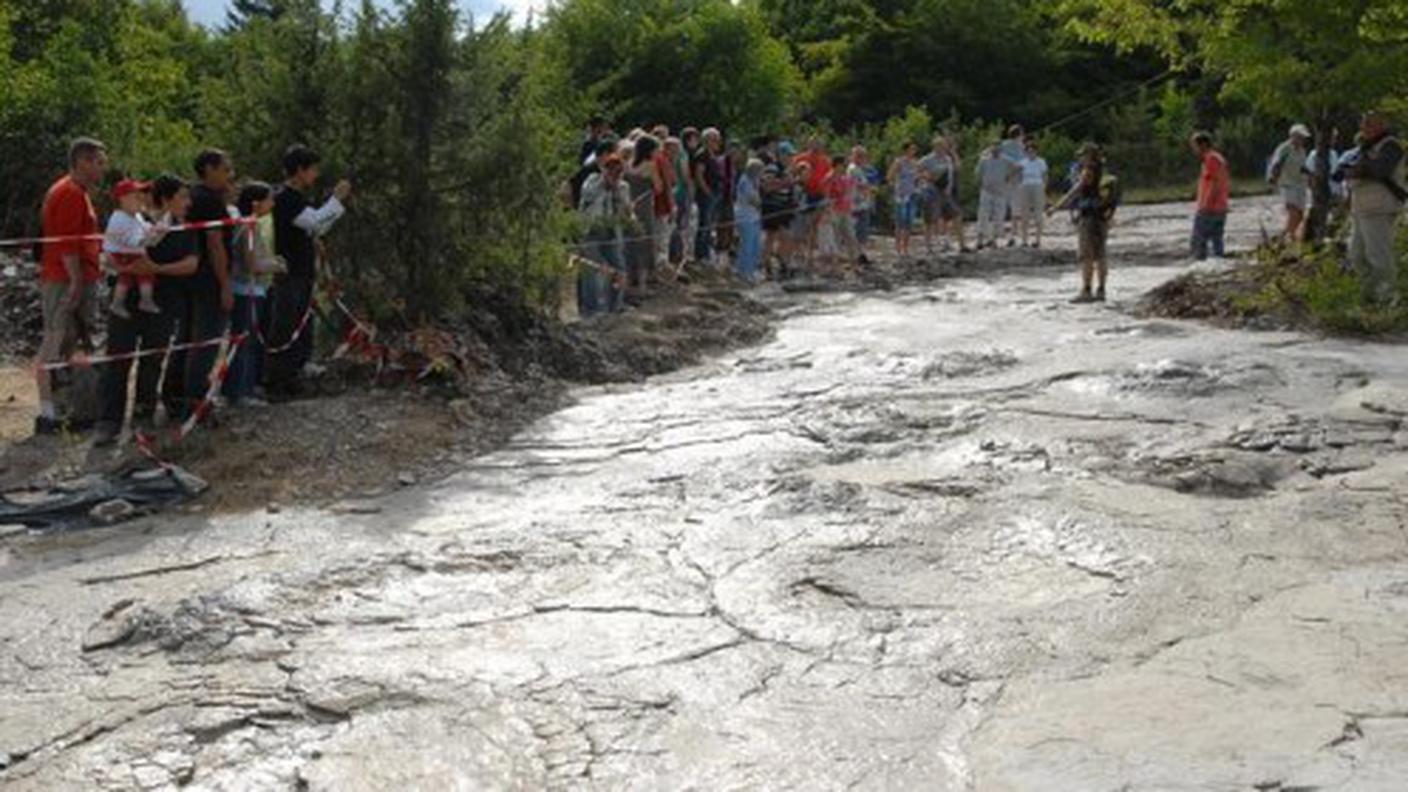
[1111,193]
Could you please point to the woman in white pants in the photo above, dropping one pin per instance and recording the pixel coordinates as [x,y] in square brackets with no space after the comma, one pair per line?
[1031,197]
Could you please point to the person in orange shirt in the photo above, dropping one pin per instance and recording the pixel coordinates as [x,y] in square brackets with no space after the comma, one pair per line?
[69,269]
[1214,186]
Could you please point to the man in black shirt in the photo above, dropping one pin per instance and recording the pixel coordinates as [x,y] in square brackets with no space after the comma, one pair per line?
[297,227]
[205,310]
[173,260]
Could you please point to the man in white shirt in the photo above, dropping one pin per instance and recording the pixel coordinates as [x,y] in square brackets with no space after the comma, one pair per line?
[996,175]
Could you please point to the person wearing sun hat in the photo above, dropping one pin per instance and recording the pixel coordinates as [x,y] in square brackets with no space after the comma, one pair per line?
[1288,174]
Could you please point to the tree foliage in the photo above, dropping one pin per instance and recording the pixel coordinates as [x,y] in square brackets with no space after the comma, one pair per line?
[1295,58]
[457,134]
[677,61]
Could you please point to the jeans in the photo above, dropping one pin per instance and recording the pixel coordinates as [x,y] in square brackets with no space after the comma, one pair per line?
[704,235]
[598,291]
[750,247]
[198,319]
[143,331]
[682,240]
[288,302]
[1208,230]
[251,313]
[862,221]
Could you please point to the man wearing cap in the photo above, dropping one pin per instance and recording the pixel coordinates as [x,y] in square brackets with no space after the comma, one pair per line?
[1378,189]
[69,272]
[1288,174]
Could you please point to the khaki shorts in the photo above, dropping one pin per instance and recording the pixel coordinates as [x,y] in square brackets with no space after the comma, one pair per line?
[1031,201]
[65,324]
[1092,235]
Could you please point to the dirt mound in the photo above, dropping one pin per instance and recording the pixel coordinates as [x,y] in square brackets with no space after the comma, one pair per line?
[1219,297]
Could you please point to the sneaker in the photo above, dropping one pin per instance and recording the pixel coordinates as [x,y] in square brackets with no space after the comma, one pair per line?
[253,403]
[1099,295]
[146,305]
[119,309]
[313,370]
[1083,298]
[44,426]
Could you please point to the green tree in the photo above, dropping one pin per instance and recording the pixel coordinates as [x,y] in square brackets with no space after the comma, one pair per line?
[686,62]
[1305,59]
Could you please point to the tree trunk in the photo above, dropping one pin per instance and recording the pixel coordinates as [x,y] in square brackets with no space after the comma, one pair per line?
[1318,221]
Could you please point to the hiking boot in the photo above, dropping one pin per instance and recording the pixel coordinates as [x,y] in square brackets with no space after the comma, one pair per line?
[1100,295]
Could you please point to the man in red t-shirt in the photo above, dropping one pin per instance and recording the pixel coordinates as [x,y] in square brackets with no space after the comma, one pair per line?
[69,272]
[1214,186]
[819,172]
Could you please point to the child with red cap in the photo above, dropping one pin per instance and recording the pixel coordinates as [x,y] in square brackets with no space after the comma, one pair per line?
[126,239]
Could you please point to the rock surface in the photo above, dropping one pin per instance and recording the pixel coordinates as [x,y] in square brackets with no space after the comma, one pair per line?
[954,536]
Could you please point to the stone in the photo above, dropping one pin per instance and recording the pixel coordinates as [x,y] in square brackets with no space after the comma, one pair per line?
[113,512]
[352,508]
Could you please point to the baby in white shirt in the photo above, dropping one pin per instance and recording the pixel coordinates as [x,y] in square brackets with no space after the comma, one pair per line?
[126,239]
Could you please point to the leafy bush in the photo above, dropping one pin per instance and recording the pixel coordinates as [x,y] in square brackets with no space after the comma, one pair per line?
[1314,286]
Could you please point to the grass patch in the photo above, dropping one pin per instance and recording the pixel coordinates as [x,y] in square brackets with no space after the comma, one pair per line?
[1287,287]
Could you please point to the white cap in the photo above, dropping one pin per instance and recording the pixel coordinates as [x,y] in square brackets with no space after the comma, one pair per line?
[1301,130]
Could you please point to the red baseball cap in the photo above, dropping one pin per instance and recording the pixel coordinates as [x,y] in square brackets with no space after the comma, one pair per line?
[128,186]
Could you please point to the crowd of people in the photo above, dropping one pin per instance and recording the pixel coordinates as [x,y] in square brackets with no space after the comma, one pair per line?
[652,204]
[1368,182]
[189,262]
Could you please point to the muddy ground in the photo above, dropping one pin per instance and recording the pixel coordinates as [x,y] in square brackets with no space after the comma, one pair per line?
[954,535]
[354,439]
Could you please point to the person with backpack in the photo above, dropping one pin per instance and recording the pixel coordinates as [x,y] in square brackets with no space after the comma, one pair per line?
[1093,202]
[1378,188]
[1288,174]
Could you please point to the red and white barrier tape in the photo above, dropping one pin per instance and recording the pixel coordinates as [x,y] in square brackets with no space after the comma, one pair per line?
[199,226]
[82,361]
[146,443]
